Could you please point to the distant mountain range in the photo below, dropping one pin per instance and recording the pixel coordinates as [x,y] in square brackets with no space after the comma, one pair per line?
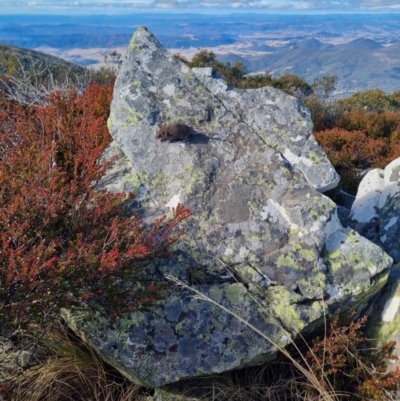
[362,50]
[360,64]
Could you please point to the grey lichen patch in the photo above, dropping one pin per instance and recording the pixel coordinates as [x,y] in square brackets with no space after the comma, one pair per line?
[235,293]
[159,181]
[253,274]
[132,118]
[134,46]
[88,325]
[283,307]
[346,248]
[297,255]
[255,210]
[312,211]
[313,287]
[318,309]
[196,176]
[310,255]
[120,176]
[216,293]
[315,157]
[155,185]
[136,84]
[288,260]
[335,260]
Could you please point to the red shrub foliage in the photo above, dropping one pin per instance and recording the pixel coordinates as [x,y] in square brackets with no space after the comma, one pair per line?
[375,124]
[342,363]
[359,132]
[370,140]
[352,151]
[62,243]
[353,148]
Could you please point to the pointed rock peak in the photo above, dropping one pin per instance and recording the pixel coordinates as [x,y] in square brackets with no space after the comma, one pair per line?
[142,32]
[147,63]
[142,28]
[153,88]
[143,38]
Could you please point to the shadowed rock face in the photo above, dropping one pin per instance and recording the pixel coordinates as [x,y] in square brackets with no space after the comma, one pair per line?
[252,175]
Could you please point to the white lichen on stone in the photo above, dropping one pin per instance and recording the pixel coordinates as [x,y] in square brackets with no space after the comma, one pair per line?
[169,89]
[174,201]
[390,309]
[291,157]
[369,191]
[277,214]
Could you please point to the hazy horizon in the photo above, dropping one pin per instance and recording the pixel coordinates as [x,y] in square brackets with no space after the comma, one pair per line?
[199,12]
[362,49]
[109,7]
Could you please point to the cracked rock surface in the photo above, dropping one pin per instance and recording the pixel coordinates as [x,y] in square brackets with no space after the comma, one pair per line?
[263,241]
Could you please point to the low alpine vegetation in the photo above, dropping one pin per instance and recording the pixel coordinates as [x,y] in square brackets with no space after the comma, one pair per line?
[62,242]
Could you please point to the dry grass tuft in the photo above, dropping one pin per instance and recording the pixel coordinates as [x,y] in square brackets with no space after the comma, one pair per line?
[72,372]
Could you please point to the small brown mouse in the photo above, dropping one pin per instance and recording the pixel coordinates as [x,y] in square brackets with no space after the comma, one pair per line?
[173,132]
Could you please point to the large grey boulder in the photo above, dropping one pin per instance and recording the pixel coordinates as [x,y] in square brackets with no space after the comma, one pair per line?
[263,242]
[384,323]
[375,213]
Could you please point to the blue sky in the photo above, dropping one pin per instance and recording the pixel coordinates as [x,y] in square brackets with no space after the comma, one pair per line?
[210,6]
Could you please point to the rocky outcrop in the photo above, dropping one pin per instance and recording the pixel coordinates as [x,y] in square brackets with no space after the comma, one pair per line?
[376,215]
[384,322]
[264,245]
[376,210]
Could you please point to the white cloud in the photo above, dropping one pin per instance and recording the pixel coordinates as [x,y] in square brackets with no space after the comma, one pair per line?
[218,5]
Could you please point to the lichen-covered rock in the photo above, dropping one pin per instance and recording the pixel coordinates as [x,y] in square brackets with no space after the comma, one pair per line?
[375,213]
[364,213]
[263,242]
[387,310]
[383,324]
